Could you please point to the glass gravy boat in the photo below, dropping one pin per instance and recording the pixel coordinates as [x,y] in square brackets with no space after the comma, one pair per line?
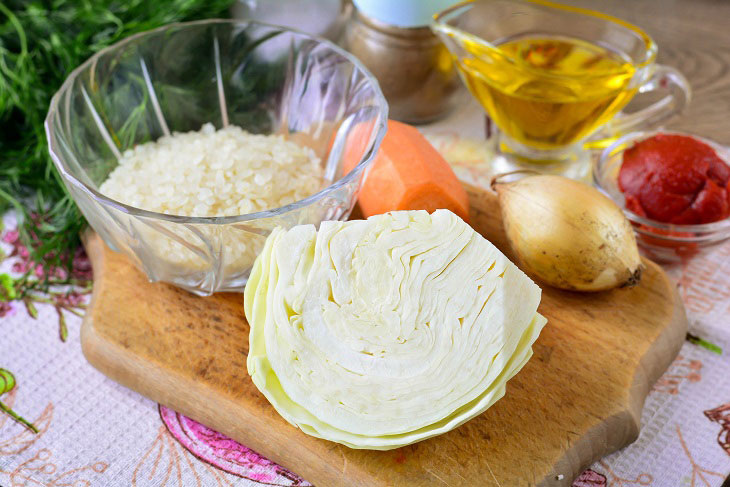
[555,78]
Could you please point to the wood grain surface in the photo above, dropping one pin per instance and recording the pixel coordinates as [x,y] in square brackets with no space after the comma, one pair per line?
[578,399]
[694,37]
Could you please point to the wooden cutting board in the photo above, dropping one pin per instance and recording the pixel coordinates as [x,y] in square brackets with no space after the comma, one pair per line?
[578,399]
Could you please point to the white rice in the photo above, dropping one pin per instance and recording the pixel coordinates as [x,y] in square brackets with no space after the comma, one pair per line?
[211,172]
[226,172]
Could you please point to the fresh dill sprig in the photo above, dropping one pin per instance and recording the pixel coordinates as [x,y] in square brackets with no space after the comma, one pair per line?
[41,42]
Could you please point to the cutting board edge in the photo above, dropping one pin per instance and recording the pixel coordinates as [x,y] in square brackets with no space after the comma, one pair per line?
[624,422]
[651,367]
[93,347]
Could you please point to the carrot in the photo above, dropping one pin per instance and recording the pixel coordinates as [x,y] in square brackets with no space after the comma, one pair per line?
[408,174]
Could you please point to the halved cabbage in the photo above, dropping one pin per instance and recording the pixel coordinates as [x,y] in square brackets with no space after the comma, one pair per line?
[382,332]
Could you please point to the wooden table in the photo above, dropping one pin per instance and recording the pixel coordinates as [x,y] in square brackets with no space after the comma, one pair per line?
[694,37]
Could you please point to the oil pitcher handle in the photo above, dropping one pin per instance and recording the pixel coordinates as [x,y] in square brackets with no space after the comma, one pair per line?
[678,94]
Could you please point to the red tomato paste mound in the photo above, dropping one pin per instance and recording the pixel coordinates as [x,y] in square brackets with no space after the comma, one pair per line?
[675,179]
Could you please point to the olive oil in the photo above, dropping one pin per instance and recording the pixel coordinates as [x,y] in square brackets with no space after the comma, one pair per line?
[548,92]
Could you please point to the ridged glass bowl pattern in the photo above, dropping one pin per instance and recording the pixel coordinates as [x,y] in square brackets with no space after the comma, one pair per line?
[263,78]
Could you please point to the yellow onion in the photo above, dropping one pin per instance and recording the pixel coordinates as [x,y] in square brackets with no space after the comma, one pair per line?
[568,234]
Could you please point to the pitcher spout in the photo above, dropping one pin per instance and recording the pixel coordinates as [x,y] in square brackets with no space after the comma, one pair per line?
[454,28]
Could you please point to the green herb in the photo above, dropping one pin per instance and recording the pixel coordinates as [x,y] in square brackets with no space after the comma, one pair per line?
[7,384]
[41,42]
[7,288]
[62,328]
[32,310]
[695,340]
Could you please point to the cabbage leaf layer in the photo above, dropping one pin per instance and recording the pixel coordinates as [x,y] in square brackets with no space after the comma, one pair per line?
[381,332]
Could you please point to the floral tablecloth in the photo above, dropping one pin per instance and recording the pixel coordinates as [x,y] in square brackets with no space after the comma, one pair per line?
[94,432]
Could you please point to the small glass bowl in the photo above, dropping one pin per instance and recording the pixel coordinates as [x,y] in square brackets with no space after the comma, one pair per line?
[263,78]
[662,242]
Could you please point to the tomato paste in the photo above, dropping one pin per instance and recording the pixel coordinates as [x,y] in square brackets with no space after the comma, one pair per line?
[675,179]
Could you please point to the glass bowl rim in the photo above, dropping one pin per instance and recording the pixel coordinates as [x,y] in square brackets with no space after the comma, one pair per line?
[381,124]
[615,149]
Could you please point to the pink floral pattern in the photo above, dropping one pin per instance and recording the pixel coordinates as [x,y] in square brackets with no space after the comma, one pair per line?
[590,478]
[8,309]
[80,269]
[680,371]
[225,453]
[721,415]
[65,289]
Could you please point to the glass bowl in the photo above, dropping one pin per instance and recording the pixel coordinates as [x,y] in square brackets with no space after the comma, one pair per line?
[662,242]
[263,78]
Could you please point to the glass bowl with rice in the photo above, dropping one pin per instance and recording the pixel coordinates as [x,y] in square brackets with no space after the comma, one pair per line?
[185,146]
